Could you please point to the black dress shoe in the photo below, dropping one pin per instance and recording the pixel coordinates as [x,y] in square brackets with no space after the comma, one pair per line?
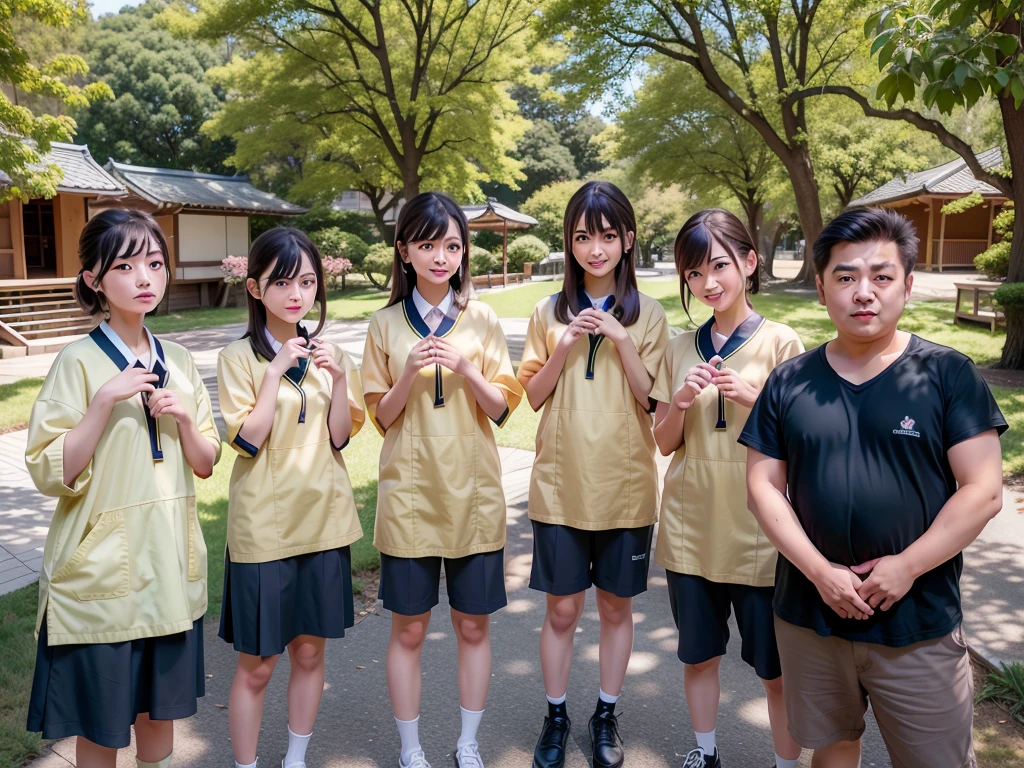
[550,749]
[604,735]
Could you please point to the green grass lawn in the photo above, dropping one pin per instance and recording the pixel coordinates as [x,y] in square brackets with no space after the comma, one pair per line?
[16,402]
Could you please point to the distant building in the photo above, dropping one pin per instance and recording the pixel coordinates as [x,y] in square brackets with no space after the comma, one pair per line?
[947,242]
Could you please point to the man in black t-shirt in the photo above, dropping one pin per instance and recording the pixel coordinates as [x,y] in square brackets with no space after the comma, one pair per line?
[873,461]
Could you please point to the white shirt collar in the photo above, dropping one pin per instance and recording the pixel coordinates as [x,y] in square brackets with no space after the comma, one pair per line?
[274,343]
[423,306]
[123,348]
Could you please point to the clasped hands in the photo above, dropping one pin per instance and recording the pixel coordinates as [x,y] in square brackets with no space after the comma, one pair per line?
[887,580]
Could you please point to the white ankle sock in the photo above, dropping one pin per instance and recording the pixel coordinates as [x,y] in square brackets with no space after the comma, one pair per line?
[251,765]
[781,762]
[296,754]
[607,698]
[706,741]
[470,722]
[557,700]
[165,763]
[409,733]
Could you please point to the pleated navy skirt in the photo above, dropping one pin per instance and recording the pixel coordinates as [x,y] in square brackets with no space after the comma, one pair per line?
[97,690]
[267,605]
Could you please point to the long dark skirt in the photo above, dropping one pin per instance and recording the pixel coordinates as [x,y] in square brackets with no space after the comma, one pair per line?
[267,605]
[97,690]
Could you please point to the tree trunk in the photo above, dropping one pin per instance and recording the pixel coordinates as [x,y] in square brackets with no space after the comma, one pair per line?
[1013,124]
[808,206]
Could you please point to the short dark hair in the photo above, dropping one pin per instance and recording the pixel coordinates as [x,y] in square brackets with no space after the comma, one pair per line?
[867,225]
[123,231]
[282,248]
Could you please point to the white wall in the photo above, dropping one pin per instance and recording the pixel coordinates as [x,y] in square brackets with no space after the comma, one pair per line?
[206,237]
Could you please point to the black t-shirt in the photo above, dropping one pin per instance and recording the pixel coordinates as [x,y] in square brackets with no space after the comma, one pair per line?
[868,474]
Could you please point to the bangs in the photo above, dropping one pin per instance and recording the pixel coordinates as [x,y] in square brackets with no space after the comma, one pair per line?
[127,240]
[596,208]
[695,247]
[432,223]
[288,262]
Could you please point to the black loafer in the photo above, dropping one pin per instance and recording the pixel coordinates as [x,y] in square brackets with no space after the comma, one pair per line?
[550,749]
[604,735]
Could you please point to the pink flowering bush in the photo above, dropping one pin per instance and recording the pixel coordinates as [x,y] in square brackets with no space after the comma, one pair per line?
[235,269]
[335,270]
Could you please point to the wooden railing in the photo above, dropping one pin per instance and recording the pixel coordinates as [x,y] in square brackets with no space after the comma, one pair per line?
[957,253]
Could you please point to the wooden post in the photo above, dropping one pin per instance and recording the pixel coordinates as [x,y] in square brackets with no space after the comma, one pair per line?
[931,235]
[504,253]
[991,215]
[942,237]
[18,239]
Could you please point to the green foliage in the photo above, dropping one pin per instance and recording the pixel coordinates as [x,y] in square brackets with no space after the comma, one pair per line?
[482,261]
[337,244]
[994,262]
[526,248]
[962,204]
[162,98]
[378,264]
[1010,295]
[322,217]
[956,52]
[1006,687]
[544,158]
[547,206]
[51,79]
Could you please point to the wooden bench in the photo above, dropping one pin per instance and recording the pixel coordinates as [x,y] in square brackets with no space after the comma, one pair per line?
[975,292]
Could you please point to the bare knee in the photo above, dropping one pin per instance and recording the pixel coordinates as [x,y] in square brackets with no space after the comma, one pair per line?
[410,634]
[614,610]
[308,657]
[705,666]
[842,754]
[255,672]
[563,613]
[470,630]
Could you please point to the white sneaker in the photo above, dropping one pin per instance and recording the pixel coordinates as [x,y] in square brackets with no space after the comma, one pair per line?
[294,765]
[468,756]
[416,760]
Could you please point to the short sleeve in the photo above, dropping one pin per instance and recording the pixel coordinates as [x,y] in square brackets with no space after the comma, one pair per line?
[497,369]
[970,408]
[789,348]
[204,411]
[655,341]
[355,394]
[237,392]
[763,431]
[375,376]
[662,388]
[60,407]
[535,350]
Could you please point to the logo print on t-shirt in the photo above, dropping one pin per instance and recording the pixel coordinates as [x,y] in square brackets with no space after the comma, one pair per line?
[907,428]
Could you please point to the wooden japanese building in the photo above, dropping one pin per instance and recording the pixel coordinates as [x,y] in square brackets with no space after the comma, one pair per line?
[947,241]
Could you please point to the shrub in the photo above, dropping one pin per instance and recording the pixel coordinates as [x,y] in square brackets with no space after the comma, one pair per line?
[377,266]
[335,270]
[1010,295]
[235,269]
[994,262]
[524,249]
[336,243]
[481,261]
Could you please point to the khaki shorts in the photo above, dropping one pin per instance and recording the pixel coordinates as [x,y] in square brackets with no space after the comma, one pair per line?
[922,695]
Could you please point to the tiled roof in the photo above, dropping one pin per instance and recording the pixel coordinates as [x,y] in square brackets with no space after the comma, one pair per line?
[493,214]
[165,187]
[952,178]
[82,174]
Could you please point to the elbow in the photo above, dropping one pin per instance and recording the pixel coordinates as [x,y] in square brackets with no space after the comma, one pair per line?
[992,503]
[204,473]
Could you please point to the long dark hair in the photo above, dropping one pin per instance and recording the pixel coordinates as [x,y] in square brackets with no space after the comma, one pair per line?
[426,217]
[594,201]
[102,239]
[283,247]
[696,238]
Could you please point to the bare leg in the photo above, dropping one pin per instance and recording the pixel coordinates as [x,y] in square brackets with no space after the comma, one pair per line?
[405,684]
[154,739]
[90,755]
[785,746]
[306,682]
[556,640]
[473,635]
[616,639]
[842,754]
[703,691]
[245,704]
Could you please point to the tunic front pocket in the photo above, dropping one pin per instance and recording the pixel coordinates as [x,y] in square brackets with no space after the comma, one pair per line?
[444,475]
[304,503]
[196,544]
[98,569]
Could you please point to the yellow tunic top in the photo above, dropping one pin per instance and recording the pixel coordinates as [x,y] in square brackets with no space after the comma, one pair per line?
[594,468]
[706,529]
[440,492]
[124,556]
[291,495]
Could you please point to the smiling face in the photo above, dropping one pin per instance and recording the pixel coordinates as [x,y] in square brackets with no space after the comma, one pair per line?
[435,260]
[287,298]
[134,284]
[719,281]
[599,252]
[864,287]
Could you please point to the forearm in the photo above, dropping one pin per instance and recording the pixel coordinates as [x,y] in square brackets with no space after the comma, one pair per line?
[80,442]
[543,383]
[640,381]
[393,403]
[339,419]
[668,433]
[257,425]
[778,520]
[199,452]
[959,522]
[489,397]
